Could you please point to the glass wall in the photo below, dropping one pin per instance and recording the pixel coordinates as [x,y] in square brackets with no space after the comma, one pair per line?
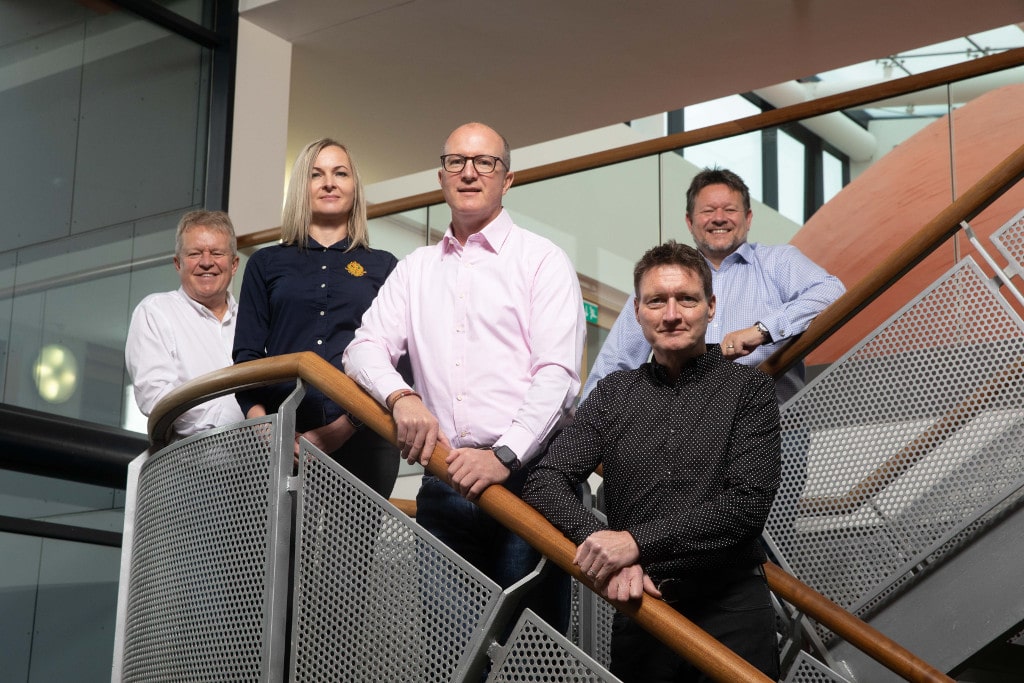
[105,123]
[848,188]
[105,126]
[59,597]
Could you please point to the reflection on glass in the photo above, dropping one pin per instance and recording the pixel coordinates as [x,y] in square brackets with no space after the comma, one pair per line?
[59,605]
[193,10]
[56,373]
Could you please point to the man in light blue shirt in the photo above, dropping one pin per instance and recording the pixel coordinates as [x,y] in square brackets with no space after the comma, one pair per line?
[765,293]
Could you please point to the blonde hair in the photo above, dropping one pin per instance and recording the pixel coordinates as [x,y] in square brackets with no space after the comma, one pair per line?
[298,212]
[218,221]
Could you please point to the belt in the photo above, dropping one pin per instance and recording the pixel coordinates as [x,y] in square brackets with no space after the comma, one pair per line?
[676,589]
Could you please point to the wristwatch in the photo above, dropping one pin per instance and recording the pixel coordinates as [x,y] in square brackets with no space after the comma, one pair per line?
[766,335]
[507,457]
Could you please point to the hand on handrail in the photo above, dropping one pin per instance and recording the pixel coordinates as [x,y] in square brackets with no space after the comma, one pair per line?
[416,429]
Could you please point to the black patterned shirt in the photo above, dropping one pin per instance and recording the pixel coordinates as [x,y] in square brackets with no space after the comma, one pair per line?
[690,467]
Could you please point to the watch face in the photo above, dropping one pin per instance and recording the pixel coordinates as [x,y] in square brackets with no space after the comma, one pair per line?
[506,456]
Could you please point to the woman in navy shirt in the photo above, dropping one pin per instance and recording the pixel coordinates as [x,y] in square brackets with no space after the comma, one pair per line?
[309,293]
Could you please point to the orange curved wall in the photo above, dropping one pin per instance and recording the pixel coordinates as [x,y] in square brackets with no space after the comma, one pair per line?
[895,197]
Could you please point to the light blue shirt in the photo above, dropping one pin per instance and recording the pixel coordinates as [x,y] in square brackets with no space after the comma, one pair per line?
[775,285]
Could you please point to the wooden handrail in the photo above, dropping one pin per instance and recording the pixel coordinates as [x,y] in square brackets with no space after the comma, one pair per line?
[914,250]
[929,238]
[675,630]
[872,642]
[768,119]
[655,615]
[679,633]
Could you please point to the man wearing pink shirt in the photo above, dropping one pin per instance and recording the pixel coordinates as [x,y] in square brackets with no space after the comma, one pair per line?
[491,318]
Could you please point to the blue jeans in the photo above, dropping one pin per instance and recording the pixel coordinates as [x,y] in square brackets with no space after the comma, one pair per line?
[490,547]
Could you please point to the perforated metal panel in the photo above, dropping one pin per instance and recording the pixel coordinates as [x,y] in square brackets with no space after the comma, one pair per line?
[806,669]
[591,614]
[1009,240]
[904,443]
[376,597]
[198,596]
[592,621]
[537,653]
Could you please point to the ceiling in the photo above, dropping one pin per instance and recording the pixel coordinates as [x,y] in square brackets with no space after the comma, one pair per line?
[393,77]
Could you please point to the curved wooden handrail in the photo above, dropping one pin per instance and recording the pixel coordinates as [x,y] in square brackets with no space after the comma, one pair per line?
[914,250]
[768,119]
[679,633]
[655,615]
[918,247]
[676,631]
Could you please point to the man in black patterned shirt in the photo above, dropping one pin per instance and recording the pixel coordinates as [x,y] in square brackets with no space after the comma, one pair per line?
[691,454]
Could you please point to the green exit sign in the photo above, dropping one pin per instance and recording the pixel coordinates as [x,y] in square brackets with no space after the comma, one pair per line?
[590,310]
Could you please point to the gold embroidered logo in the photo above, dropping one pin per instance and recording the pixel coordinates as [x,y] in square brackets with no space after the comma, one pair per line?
[355,269]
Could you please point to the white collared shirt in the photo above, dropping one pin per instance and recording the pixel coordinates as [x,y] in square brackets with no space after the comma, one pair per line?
[173,339]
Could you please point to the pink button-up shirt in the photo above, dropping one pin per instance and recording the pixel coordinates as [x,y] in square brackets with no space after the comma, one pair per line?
[494,330]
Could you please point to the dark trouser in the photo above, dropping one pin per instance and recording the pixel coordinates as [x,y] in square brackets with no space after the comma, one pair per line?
[490,547]
[371,458]
[737,613]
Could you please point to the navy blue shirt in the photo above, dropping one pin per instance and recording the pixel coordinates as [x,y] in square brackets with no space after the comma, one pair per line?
[310,299]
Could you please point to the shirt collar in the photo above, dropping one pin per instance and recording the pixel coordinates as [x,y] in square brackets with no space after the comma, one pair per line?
[691,371]
[341,245]
[203,310]
[493,236]
[744,254]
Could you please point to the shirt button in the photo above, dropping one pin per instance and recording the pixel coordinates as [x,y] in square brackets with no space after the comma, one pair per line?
[319,342]
[459,397]
[323,267]
[458,363]
[322,285]
[321,312]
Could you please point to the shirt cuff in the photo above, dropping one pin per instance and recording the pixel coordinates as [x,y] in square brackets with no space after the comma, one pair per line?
[521,441]
[383,387]
[776,327]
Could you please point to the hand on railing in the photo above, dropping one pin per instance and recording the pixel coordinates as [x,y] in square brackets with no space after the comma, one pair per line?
[656,616]
[416,428]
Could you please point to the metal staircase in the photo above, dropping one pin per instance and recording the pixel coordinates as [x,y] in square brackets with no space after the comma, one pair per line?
[901,501]
[904,478]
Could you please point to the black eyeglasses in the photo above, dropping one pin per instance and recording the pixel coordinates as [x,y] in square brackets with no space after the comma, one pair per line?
[483,163]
